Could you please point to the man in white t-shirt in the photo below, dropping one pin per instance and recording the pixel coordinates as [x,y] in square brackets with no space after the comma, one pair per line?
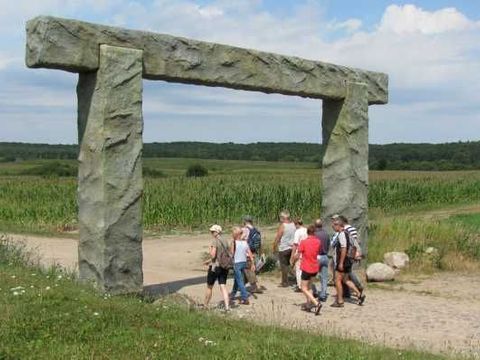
[343,265]
[300,234]
[356,250]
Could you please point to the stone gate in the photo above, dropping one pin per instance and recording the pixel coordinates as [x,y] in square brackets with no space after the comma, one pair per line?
[111,63]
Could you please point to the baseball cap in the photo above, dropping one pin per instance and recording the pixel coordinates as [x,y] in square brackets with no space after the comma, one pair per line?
[335,216]
[216,228]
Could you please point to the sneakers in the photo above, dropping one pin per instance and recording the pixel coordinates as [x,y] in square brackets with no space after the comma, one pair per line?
[337,305]
[244,302]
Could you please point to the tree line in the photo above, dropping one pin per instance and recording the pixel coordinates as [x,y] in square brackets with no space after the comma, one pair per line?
[401,156]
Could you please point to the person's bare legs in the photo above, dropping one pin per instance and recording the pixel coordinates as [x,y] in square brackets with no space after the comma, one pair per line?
[226,298]
[251,276]
[298,274]
[307,291]
[208,295]
[351,286]
[331,266]
[339,286]
[359,293]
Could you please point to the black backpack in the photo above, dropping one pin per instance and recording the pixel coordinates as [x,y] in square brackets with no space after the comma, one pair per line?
[348,259]
[254,240]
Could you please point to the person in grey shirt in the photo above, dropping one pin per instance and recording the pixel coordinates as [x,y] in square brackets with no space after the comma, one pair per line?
[283,244]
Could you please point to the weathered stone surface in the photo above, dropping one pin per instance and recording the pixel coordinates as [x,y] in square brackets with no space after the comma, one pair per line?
[378,272]
[110,171]
[345,162]
[396,260]
[74,46]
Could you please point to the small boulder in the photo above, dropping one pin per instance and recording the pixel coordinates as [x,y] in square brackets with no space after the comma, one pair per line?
[380,272]
[431,250]
[396,260]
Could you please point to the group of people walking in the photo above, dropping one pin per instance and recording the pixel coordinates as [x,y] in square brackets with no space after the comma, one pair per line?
[307,251]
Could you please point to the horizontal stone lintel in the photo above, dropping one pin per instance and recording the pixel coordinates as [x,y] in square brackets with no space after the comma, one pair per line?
[72,45]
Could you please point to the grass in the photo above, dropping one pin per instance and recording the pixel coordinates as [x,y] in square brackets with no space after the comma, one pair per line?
[471,221]
[177,167]
[47,315]
[456,246]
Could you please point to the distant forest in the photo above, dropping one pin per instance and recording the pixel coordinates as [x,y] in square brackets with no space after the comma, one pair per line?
[448,156]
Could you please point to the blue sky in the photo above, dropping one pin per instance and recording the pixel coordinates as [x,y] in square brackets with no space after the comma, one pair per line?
[429,48]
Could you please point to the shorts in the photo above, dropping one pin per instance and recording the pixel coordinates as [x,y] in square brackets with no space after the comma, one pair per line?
[307,276]
[347,265]
[218,274]
[347,268]
[284,257]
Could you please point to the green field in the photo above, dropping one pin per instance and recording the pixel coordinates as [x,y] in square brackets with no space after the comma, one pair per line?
[232,189]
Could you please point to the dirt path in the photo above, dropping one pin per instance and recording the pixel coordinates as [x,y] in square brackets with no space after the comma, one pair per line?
[438,314]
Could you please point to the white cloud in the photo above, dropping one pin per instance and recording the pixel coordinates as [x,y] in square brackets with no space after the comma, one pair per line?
[411,19]
[349,25]
[5,60]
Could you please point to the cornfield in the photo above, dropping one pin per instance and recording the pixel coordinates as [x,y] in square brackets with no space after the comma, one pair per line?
[36,203]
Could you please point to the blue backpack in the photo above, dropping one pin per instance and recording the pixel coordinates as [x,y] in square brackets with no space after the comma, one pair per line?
[254,240]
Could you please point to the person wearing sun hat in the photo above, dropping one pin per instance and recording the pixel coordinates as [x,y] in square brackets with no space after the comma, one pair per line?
[215,271]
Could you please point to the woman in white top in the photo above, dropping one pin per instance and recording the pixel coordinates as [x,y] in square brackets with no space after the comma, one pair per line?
[242,252]
[300,234]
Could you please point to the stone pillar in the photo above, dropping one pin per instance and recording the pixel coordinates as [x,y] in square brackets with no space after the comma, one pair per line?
[345,159]
[110,184]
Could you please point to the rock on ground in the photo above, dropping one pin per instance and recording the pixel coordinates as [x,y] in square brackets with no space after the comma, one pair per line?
[396,260]
[380,272]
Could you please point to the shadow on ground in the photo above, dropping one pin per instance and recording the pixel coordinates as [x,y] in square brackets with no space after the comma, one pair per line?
[171,287]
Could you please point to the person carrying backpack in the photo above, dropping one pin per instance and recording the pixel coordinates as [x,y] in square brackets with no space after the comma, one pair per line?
[355,251]
[254,239]
[343,265]
[220,262]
